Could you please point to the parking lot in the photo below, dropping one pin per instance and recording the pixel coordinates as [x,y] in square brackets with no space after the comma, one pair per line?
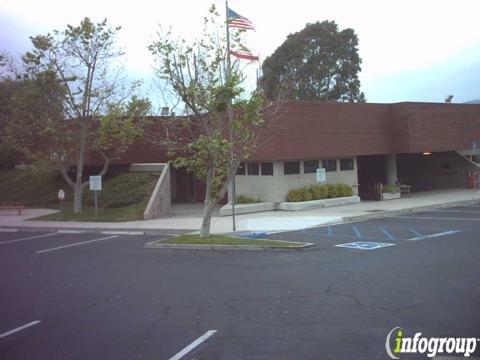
[103,296]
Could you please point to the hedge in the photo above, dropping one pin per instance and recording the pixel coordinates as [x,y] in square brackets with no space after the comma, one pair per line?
[318,192]
[243,199]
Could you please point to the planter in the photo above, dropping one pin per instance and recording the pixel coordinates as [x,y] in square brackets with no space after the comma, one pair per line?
[315,204]
[246,208]
[390,196]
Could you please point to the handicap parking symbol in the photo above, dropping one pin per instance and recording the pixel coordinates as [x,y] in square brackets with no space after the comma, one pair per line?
[365,245]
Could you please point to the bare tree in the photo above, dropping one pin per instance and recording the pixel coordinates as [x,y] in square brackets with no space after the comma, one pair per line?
[94,113]
[205,140]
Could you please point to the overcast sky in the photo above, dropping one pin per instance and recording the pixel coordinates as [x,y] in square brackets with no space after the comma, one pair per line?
[411,50]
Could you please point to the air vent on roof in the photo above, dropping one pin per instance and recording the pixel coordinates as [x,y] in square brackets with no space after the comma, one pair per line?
[164,111]
[448,99]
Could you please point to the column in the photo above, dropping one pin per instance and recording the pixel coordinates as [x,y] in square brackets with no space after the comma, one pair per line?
[391,169]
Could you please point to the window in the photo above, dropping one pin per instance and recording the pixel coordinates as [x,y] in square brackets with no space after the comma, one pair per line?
[346,164]
[310,166]
[330,164]
[267,168]
[253,168]
[291,167]
[241,169]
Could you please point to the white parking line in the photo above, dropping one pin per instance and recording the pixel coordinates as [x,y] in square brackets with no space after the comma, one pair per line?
[118,232]
[20,328]
[28,238]
[75,244]
[193,345]
[8,230]
[455,211]
[435,218]
[68,231]
[434,235]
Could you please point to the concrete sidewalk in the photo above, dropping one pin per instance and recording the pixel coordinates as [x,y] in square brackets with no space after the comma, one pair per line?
[181,220]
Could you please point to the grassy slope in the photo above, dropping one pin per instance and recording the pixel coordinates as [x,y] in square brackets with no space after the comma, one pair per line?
[29,187]
[123,198]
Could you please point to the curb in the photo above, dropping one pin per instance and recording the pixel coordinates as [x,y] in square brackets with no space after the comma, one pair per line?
[103,231]
[156,245]
[173,232]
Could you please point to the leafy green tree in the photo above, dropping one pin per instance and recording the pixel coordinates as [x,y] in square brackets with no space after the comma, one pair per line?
[317,63]
[88,108]
[204,140]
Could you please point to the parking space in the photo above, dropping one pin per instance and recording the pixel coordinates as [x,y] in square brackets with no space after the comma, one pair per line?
[104,296]
[39,243]
[391,230]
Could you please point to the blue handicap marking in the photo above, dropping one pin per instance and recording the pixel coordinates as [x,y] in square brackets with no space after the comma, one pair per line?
[252,235]
[365,245]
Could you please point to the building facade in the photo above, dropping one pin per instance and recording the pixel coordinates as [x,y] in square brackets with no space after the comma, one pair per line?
[425,145]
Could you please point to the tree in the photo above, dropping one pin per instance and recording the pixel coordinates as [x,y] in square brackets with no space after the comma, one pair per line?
[26,103]
[318,63]
[96,113]
[205,141]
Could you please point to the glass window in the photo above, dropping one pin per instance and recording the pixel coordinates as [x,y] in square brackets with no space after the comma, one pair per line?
[253,168]
[241,169]
[267,168]
[330,164]
[346,164]
[310,166]
[291,167]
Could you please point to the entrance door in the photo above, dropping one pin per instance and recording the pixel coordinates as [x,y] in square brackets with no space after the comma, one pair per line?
[371,170]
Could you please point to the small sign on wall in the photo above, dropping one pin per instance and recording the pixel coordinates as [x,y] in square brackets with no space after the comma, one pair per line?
[321,177]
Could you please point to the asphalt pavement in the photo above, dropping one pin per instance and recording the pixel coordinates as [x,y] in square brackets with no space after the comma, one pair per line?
[104,296]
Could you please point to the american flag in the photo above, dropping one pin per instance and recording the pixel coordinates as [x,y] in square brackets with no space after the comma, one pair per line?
[238,21]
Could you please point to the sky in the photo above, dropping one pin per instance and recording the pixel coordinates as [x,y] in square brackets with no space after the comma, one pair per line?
[418,50]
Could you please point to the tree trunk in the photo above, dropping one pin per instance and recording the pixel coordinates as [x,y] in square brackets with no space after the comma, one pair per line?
[207,216]
[77,197]
[209,203]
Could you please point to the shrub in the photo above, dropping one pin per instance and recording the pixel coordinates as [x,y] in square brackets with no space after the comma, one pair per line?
[390,188]
[306,194]
[295,195]
[344,190]
[243,199]
[318,192]
[331,190]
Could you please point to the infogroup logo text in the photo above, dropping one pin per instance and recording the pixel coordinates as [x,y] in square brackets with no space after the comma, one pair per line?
[397,344]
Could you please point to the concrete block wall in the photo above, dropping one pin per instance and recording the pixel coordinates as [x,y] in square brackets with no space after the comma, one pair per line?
[274,188]
[160,200]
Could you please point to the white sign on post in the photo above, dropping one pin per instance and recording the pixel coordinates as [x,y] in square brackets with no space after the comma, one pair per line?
[95,183]
[321,177]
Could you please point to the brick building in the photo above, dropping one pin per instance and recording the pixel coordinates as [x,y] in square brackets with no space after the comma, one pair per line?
[425,145]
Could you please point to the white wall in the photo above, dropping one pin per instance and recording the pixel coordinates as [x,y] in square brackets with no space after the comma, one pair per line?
[274,188]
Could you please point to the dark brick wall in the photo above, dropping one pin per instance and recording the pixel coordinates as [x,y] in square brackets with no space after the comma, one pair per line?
[435,127]
[303,130]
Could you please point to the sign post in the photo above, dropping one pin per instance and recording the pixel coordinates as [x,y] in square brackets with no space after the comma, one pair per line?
[61,197]
[95,186]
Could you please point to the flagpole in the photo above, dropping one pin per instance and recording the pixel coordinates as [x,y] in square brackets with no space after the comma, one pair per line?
[227,78]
